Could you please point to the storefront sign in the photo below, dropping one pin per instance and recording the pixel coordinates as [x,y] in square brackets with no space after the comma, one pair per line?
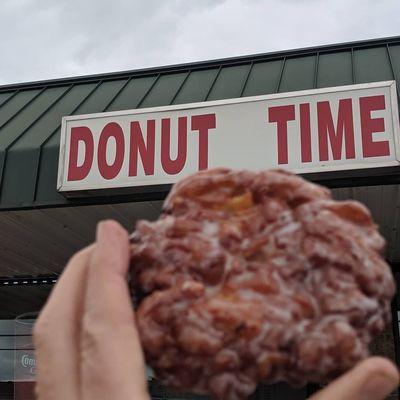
[348,127]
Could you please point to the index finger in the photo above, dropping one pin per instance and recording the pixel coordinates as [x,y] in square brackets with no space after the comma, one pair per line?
[112,359]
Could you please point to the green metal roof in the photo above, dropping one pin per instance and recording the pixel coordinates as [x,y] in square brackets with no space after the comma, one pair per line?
[30,114]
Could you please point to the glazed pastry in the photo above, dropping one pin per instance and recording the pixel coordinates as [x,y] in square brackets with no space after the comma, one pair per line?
[251,277]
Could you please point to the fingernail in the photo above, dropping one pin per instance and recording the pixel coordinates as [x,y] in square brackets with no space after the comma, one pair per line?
[378,387]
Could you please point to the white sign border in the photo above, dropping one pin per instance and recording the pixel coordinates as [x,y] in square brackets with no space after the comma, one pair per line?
[187,106]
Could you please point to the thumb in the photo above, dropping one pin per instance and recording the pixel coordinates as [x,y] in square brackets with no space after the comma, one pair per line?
[372,379]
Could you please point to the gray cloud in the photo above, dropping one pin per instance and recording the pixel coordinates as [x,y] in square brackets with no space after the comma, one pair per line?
[44,39]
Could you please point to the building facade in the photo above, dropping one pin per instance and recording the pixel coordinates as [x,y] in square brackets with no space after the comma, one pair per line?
[41,226]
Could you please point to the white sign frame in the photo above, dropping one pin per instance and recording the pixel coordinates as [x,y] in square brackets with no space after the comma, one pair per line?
[199,105]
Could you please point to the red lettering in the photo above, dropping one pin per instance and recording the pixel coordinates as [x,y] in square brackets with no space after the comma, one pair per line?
[370,125]
[110,171]
[170,166]
[281,115]
[138,146]
[305,132]
[326,128]
[203,123]
[78,172]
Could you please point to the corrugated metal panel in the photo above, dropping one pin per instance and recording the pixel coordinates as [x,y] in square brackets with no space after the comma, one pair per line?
[335,69]
[30,114]
[394,54]
[15,105]
[229,82]
[5,96]
[372,65]
[164,90]
[298,74]
[196,86]
[264,78]
[132,94]
[103,94]
[47,173]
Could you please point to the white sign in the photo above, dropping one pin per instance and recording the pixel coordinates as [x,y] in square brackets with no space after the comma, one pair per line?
[348,127]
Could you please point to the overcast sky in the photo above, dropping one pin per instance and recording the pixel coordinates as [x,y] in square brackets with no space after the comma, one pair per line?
[43,39]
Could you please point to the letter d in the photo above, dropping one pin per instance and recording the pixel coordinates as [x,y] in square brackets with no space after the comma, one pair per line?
[78,172]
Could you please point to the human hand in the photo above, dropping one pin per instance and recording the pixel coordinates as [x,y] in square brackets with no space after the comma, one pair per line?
[87,345]
[372,379]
